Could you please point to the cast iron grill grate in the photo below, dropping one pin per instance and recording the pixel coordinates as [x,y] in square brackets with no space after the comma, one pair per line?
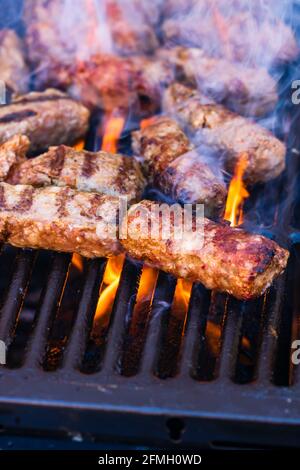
[219,361]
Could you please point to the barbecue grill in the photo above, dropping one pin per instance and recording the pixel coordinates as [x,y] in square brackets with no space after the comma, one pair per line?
[218,375]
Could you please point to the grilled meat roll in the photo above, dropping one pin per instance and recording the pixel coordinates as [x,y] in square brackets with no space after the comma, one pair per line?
[160,143]
[14,71]
[187,179]
[236,36]
[227,133]
[245,90]
[230,259]
[128,83]
[59,219]
[47,118]
[176,170]
[53,47]
[100,172]
[12,152]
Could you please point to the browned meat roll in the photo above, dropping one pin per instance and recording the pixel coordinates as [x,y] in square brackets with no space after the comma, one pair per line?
[109,26]
[14,71]
[175,170]
[109,82]
[47,118]
[12,152]
[245,90]
[227,133]
[100,172]
[230,260]
[59,219]
[239,36]
[160,142]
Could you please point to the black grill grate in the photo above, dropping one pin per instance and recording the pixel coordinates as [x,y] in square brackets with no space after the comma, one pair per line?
[220,371]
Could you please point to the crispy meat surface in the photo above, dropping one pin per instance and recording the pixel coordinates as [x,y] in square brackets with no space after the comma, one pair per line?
[12,153]
[175,170]
[46,118]
[229,260]
[100,172]
[227,133]
[245,90]
[59,219]
[14,71]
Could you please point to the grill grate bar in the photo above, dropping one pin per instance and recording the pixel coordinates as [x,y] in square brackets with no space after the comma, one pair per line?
[51,299]
[85,314]
[161,305]
[265,364]
[21,272]
[198,308]
[123,305]
[231,330]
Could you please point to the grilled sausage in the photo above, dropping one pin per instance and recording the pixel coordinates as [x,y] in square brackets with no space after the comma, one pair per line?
[175,170]
[12,152]
[47,118]
[108,82]
[237,36]
[100,172]
[230,260]
[187,179]
[227,133]
[59,219]
[245,90]
[160,143]
[14,71]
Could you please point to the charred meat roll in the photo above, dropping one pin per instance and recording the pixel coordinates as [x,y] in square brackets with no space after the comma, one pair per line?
[227,133]
[100,172]
[228,260]
[177,170]
[59,219]
[14,71]
[12,153]
[245,90]
[46,118]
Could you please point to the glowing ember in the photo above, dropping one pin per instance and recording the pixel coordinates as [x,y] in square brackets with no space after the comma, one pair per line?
[109,286]
[237,194]
[77,262]
[112,130]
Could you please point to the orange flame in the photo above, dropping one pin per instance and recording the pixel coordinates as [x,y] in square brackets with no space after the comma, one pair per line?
[79,145]
[237,193]
[213,336]
[109,286]
[147,285]
[147,122]
[77,262]
[182,298]
[113,126]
